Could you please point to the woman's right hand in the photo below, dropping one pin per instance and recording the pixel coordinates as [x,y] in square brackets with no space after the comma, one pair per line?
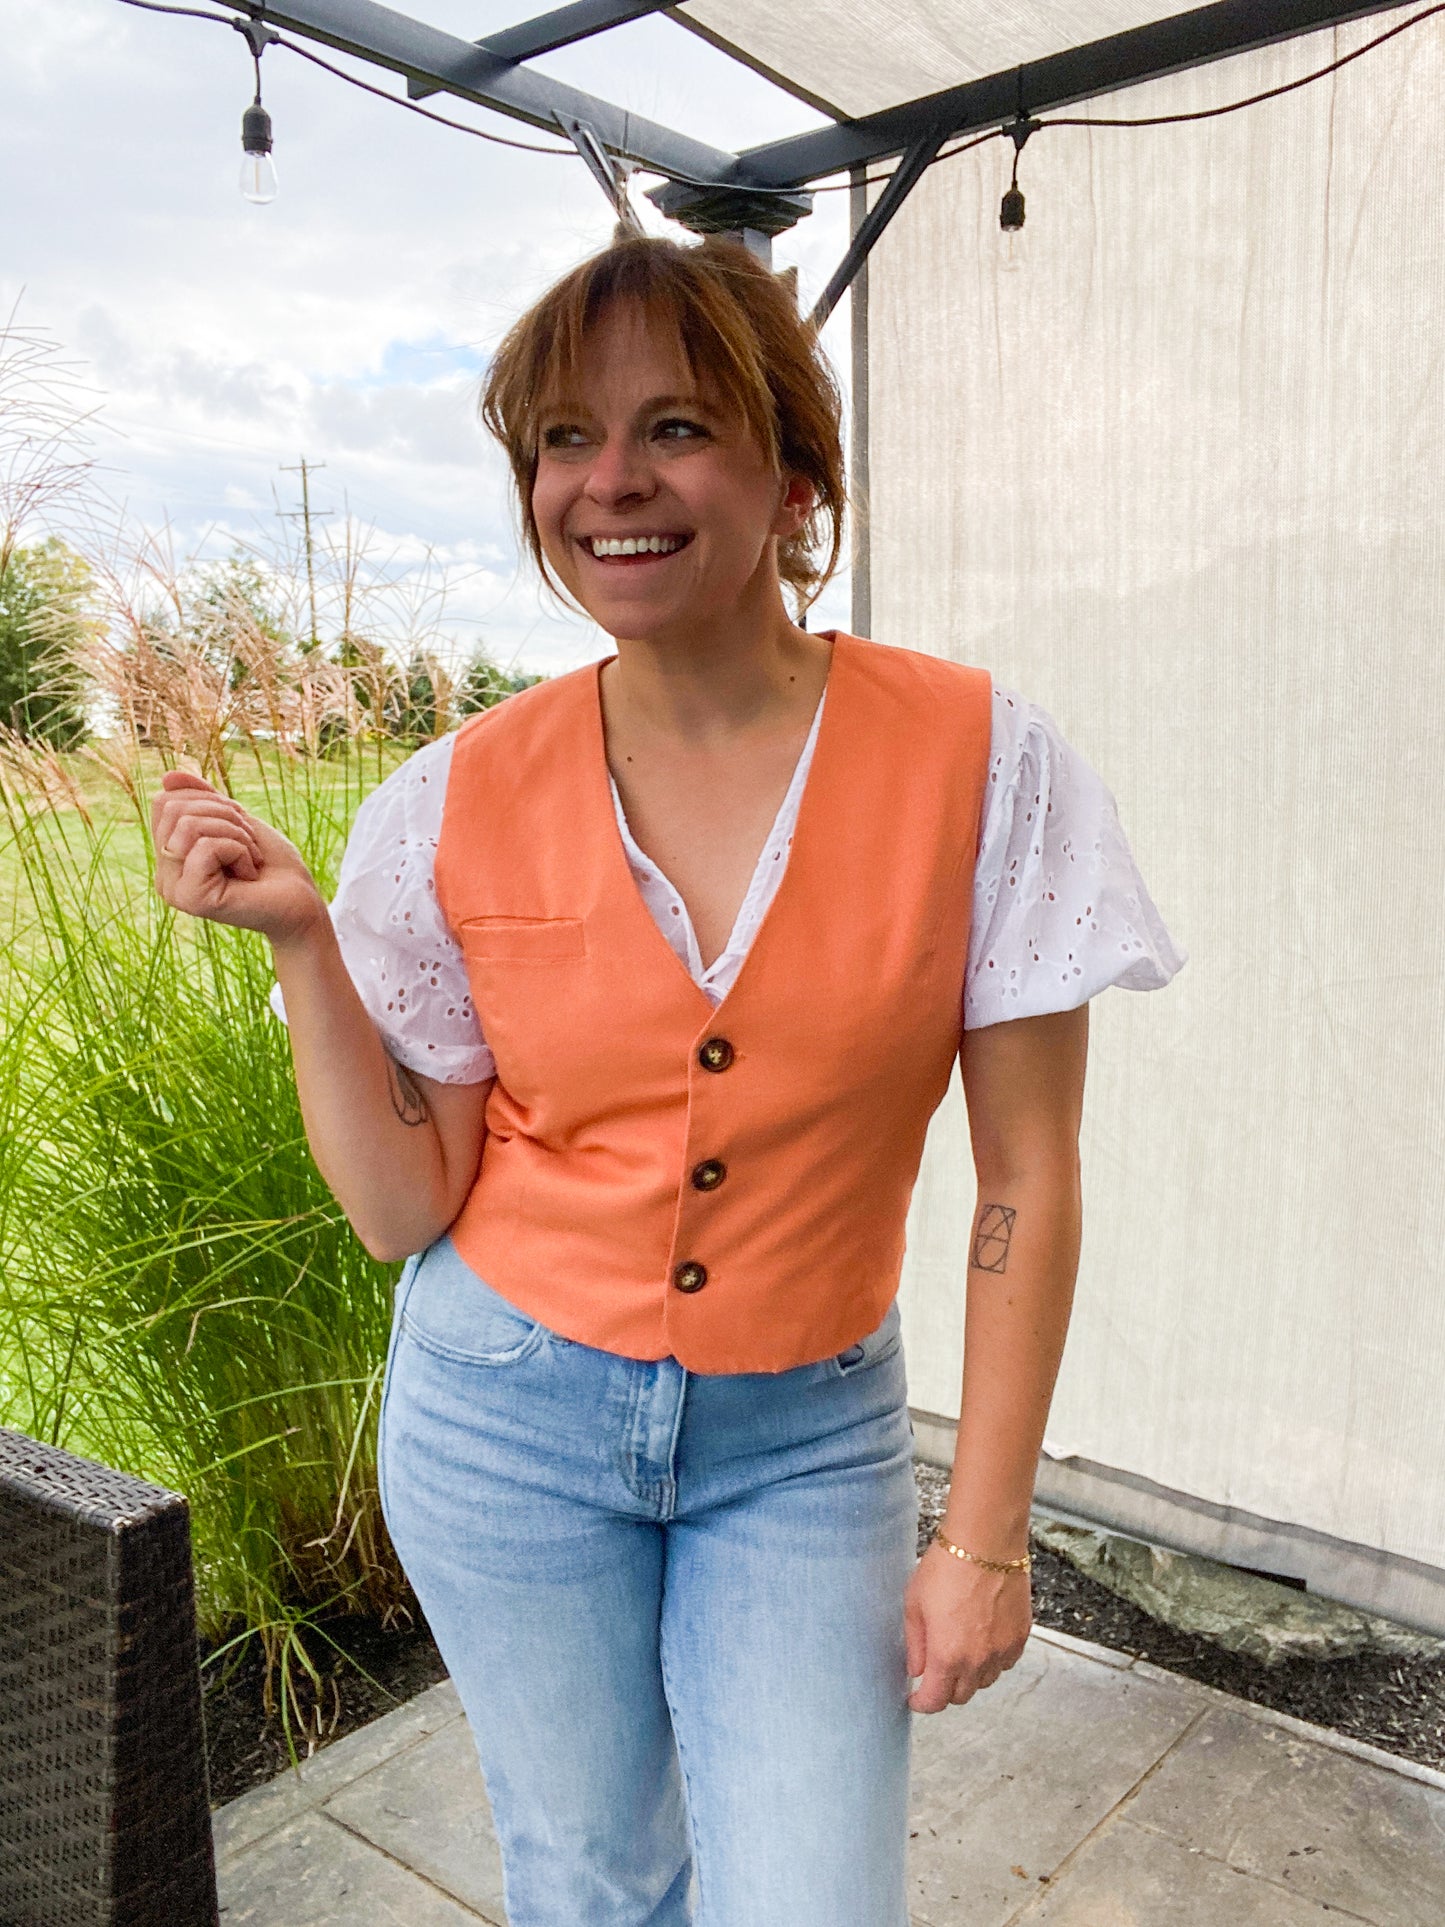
[215,860]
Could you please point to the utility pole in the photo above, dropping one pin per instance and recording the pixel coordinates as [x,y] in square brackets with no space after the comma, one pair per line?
[305,515]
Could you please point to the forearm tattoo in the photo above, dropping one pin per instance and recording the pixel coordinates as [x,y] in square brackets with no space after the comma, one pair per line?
[991,1238]
[407,1099]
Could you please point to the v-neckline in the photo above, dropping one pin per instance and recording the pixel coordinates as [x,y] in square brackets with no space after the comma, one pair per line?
[619,847]
[632,847]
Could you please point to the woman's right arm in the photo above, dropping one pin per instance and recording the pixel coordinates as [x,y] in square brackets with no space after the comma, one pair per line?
[399,1150]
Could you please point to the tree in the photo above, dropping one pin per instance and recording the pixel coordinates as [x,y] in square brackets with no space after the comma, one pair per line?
[44,593]
[485,682]
[419,702]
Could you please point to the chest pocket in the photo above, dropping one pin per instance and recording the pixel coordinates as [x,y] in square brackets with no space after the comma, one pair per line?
[523,940]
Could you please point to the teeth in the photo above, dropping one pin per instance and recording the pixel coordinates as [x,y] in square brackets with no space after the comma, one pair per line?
[635,544]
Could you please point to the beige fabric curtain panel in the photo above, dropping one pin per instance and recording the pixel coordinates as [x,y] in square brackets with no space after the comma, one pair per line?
[1179,476]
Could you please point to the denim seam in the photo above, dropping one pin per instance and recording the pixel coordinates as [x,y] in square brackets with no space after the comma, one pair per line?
[692,1815]
[671,1482]
[403,1292]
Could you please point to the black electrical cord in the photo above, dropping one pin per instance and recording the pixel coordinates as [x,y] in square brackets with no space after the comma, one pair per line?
[1270,93]
[836,187]
[497,140]
[291,46]
[1167,120]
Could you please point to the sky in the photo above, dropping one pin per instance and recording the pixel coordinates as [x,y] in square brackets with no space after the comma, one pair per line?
[350,321]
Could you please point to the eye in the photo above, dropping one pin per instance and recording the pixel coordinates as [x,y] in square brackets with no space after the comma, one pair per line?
[677,428]
[564,435]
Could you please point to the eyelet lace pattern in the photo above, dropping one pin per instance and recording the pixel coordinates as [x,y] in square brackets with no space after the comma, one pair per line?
[1060,910]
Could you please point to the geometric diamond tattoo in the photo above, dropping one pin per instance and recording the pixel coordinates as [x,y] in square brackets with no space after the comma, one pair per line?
[991,1241]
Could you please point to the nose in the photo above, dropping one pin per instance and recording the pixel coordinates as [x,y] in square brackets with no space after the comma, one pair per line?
[620,473]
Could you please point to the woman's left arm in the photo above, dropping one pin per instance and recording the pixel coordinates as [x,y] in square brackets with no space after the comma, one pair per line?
[1024,1084]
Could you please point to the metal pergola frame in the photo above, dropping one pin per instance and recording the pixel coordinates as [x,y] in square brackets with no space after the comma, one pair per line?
[763,190]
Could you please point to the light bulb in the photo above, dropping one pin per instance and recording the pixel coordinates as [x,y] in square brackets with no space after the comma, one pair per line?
[258,170]
[1012,251]
[258,178]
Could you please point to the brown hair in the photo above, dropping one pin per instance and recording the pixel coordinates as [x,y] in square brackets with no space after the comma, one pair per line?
[739,327]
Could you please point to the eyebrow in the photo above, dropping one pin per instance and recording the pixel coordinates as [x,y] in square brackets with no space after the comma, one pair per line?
[649,407]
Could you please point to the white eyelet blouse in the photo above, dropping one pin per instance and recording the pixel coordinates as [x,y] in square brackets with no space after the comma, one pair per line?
[1060,910]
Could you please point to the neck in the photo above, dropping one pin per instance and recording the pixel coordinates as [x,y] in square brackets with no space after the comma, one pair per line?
[747,670]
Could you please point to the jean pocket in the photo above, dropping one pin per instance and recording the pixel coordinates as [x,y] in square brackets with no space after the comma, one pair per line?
[873,1349]
[880,1344]
[456,1315]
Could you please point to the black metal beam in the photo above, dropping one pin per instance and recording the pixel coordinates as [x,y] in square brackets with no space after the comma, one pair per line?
[563,27]
[1081,73]
[418,52]
[901,183]
[432,61]
[566,25]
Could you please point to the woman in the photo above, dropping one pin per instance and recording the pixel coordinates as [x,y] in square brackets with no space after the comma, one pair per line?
[645,1447]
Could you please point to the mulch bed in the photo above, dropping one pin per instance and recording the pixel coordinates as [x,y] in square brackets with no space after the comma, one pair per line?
[247,1746]
[1395,1703]
[1398,1704]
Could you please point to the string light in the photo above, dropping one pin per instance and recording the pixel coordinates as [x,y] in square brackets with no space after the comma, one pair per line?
[1011,208]
[1011,211]
[258,170]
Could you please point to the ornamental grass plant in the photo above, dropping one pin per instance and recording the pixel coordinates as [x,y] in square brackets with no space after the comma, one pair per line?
[180,1295]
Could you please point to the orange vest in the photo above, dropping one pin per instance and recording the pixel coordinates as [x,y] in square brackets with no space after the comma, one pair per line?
[726,1185]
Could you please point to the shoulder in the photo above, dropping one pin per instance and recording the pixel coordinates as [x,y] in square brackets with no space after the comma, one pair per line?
[915,672]
[1028,745]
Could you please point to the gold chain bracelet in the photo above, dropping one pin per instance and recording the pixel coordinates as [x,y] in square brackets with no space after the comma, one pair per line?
[993,1565]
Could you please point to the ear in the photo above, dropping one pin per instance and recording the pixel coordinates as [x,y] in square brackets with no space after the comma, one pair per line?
[795,506]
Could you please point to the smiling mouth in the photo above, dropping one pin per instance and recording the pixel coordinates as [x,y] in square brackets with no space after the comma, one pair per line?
[632,548]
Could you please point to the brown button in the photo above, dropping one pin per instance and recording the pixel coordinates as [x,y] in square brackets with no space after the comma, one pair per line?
[690,1277]
[716,1054]
[708,1175]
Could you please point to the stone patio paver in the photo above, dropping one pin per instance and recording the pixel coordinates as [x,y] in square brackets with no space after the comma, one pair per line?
[1002,1797]
[1266,1801]
[432,1814]
[1125,1877]
[313,1873]
[1083,1790]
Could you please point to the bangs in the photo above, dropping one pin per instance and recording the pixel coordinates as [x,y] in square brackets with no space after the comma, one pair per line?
[722,359]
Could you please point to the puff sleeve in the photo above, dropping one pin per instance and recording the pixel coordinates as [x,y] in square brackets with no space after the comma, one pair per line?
[1060,909]
[398,950]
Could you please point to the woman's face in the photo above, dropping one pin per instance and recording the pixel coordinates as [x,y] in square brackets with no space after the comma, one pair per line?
[656,508]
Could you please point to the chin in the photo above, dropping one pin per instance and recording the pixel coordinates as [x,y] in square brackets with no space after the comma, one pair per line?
[637,622]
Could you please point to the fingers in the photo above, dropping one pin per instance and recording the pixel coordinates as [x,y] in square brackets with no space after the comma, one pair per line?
[934,1691]
[949,1686]
[954,1683]
[199,855]
[179,819]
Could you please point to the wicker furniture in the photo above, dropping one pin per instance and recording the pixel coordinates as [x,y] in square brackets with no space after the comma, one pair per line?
[104,1814]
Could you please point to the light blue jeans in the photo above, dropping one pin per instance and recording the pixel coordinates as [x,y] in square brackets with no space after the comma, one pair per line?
[672,1605]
